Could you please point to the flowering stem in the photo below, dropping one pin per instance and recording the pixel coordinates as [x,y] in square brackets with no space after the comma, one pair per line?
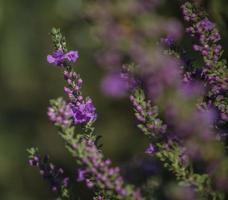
[55,176]
[96,172]
[215,71]
[169,152]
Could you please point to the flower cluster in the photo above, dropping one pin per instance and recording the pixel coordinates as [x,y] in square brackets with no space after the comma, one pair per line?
[84,112]
[60,113]
[215,72]
[99,173]
[83,109]
[55,176]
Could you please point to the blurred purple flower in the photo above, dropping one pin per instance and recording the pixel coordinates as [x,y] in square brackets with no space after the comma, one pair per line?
[208,115]
[191,89]
[109,59]
[117,84]
[174,29]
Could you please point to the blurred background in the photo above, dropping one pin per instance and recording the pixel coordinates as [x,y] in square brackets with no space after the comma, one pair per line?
[27,83]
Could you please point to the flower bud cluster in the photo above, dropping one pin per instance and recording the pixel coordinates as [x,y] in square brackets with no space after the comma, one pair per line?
[60,113]
[83,109]
[146,114]
[54,176]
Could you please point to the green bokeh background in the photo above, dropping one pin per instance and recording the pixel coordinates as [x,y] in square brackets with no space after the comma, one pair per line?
[27,83]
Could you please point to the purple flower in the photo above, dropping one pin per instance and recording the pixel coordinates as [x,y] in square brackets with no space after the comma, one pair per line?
[56,57]
[150,150]
[207,25]
[59,57]
[81,175]
[84,112]
[113,85]
[71,56]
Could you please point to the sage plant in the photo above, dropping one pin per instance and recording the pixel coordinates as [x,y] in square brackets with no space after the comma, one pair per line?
[79,112]
[180,107]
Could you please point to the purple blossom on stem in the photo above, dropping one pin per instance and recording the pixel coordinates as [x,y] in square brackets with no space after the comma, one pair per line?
[58,57]
[71,56]
[84,112]
[206,33]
